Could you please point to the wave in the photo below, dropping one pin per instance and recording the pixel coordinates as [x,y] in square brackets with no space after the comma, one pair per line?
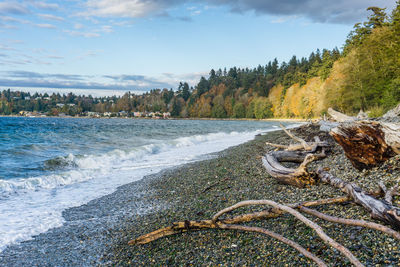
[80,168]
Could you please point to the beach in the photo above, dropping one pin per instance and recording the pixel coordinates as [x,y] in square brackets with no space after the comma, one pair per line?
[98,232]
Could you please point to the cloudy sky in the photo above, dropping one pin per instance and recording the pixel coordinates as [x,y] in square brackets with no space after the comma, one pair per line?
[144,44]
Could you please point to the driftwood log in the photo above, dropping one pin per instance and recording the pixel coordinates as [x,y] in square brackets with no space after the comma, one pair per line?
[382,210]
[339,117]
[303,152]
[395,112]
[368,143]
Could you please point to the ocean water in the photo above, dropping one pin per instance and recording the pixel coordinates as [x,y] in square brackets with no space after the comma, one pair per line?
[50,164]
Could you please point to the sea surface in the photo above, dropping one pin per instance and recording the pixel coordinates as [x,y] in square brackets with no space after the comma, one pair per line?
[48,165]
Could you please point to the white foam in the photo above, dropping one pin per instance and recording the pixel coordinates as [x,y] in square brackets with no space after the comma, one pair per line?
[34,205]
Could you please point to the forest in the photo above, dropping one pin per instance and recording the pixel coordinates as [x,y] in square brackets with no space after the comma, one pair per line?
[363,75]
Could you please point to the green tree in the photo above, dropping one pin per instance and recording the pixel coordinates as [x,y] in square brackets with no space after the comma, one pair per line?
[239,110]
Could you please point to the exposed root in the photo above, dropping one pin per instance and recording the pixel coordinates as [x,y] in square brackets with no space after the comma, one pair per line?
[299,216]
[352,222]
[304,144]
[380,210]
[299,177]
[389,193]
[230,223]
[278,237]
[277,145]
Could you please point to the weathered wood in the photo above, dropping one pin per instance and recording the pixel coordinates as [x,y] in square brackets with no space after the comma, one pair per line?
[184,226]
[302,142]
[352,222]
[395,112]
[289,242]
[179,227]
[362,115]
[318,230]
[368,143]
[338,116]
[299,177]
[379,209]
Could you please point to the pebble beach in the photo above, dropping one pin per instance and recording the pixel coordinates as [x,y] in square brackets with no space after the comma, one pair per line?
[97,234]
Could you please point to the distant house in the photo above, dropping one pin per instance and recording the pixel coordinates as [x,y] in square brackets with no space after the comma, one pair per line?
[60,105]
[107,114]
[71,104]
[137,114]
[93,114]
[27,98]
[46,98]
[123,113]
[166,115]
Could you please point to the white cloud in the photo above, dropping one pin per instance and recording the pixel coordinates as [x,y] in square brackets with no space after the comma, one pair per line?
[13,8]
[13,20]
[51,17]
[283,19]
[44,5]
[122,8]
[45,26]
[106,28]
[78,26]
[82,34]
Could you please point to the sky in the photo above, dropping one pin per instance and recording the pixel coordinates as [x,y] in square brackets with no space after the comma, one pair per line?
[137,45]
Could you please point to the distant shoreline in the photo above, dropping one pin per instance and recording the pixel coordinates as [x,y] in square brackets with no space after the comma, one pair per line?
[134,118]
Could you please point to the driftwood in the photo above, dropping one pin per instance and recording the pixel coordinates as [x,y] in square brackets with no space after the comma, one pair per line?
[299,216]
[379,209]
[179,227]
[368,143]
[231,224]
[362,115]
[395,112]
[298,177]
[338,116]
[304,153]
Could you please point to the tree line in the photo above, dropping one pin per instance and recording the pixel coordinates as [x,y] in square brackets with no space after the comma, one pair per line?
[364,74]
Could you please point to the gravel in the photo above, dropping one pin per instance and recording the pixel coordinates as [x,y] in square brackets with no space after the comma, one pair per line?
[98,233]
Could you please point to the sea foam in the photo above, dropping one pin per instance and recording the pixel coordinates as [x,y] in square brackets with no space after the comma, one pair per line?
[30,206]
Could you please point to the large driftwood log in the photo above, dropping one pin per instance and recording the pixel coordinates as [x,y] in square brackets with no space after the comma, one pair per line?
[338,116]
[368,143]
[379,209]
[298,177]
[395,112]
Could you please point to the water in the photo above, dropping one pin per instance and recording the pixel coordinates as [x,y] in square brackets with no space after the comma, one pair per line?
[51,164]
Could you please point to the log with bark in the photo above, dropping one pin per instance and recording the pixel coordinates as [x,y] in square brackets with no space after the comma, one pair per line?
[368,143]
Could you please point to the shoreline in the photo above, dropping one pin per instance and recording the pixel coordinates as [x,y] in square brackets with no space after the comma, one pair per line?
[97,233]
[133,118]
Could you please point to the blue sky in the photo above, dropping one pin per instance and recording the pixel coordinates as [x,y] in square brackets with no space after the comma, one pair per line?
[138,45]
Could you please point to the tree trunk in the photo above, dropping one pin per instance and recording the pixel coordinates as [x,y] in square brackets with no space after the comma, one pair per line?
[368,143]
[380,209]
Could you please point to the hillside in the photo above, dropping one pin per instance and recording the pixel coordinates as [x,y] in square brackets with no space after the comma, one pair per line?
[364,74]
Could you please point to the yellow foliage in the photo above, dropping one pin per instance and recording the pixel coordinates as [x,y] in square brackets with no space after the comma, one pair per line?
[275,97]
[306,101]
